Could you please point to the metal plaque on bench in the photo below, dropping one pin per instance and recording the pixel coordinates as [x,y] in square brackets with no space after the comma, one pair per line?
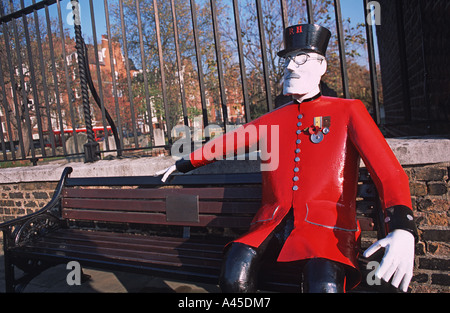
[182,208]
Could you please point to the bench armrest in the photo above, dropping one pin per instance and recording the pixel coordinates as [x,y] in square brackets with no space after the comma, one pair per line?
[13,229]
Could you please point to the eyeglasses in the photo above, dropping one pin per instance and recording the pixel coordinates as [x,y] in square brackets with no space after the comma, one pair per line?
[300,59]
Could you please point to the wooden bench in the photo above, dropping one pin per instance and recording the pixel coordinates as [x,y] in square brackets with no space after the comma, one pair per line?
[174,230]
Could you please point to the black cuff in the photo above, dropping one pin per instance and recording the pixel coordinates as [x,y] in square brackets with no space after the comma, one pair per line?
[184,166]
[401,217]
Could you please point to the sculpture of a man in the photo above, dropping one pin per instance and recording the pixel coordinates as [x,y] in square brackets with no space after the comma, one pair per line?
[308,211]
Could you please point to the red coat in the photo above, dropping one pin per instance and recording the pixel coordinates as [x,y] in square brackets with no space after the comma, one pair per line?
[317,180]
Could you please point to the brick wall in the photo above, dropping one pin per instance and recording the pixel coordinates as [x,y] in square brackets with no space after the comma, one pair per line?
[24,198]
[430,194]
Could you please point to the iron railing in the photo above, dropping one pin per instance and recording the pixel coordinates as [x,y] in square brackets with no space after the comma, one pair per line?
[159,64]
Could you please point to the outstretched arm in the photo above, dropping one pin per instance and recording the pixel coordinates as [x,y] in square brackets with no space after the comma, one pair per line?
[230,144]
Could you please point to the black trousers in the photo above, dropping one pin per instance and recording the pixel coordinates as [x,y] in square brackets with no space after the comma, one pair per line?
[241,265]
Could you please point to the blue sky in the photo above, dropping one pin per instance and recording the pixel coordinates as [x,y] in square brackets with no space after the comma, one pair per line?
[353,9]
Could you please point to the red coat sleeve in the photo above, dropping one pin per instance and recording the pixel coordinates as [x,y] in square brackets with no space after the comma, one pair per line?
[388,175]
[236,142]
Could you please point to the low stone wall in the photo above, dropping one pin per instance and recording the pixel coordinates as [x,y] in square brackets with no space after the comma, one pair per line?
[426,162]
[24,198]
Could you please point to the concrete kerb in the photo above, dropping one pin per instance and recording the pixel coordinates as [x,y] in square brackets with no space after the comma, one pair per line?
[103,168]
[409,151]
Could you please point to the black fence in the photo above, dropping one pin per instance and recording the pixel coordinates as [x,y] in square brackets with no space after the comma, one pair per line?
[159,64]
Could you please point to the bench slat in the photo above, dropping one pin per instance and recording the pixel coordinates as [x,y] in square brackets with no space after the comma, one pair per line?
[137,238]
[154,255]
[141,261]
[116,205]
[111,239]
[159,206]
[184,180]
[155,218]
[367,191]
[231,193]
[363,207]
[366,224]
[152,246]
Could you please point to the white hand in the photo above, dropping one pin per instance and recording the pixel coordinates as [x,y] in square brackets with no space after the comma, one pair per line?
[166,172]
[398,259]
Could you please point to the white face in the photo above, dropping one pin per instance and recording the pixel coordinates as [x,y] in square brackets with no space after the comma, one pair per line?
[303,79]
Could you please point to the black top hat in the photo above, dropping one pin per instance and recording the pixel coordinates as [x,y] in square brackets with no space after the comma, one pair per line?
[305,37]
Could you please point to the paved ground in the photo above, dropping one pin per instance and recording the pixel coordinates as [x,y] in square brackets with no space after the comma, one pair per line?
[53,280]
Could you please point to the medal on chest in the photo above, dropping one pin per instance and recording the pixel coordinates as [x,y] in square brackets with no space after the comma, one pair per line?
[317,138]
[320,128]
